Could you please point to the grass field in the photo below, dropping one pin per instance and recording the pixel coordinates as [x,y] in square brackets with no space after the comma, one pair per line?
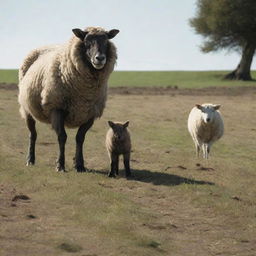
[174,205]
[182,79]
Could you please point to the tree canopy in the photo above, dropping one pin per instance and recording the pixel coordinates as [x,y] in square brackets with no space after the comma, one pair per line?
[227,24]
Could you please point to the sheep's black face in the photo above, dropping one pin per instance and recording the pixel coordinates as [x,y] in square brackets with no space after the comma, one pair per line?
[119,130]
[96,45]
[96,49]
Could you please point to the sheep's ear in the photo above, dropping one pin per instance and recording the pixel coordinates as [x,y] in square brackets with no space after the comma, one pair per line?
[125,125]
[199,106]
[111,124]
[79,33]
[112,33]
[216,107]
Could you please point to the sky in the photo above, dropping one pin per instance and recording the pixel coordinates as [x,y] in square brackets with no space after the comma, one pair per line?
[154,34]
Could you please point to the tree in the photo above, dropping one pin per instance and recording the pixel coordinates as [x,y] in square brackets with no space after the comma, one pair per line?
[228,24]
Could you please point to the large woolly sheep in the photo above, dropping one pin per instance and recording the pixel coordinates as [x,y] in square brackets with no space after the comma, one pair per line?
[205,126]
[66,85]
[118,142]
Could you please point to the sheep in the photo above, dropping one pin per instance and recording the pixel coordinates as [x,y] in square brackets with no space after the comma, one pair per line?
[66,86]
[118,142]
[205,126]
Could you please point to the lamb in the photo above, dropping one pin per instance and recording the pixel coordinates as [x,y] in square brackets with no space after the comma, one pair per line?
[118,142]
[66,86]
[205,126]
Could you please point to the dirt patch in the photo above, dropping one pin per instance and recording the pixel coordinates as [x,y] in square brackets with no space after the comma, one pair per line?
[170,90]
[9,87]
[20,197]
[173,91]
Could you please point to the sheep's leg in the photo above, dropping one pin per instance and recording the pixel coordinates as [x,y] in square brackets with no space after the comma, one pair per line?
[205,150]
[208,147]
[197,145]
[79,159]
[31,124]
[127,164]
[57,120]
[114,165]
[197,148]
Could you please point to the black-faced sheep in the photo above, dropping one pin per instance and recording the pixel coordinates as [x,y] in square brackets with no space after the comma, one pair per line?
[118,142]
[205,126]
[66,85]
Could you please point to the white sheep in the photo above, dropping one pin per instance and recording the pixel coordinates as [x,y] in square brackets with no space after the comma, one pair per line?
[66,85]
[205,126]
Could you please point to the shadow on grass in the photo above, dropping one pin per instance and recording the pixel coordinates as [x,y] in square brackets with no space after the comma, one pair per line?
[159,178]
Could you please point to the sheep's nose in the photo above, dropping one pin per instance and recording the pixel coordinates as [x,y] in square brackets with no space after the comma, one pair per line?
[100,57]
[208,120]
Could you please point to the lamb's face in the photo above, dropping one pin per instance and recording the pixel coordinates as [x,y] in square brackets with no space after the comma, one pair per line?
[208,112]
[96,45]
[119,130]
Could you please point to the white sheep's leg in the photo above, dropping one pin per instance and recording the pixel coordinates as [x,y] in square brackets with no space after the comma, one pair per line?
[31,124]
[205,154]
[114,165]
[197,148]
[58,120]
[208,148]
[127,164]
[79,159]
[197,145]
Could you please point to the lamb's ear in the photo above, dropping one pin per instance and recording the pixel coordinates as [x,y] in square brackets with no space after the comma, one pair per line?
[216,107]
[79,33]
[111,124]
[125,125]
[199,106]
[112,33]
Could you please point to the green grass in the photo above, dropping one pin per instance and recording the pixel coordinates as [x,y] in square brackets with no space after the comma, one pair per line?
[182,79]
[8,76]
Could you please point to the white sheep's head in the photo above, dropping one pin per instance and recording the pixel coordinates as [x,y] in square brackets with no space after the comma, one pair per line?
[96,43]
[208,111]
[119,130]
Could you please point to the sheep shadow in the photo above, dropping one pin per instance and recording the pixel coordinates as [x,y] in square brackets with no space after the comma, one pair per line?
[159,178]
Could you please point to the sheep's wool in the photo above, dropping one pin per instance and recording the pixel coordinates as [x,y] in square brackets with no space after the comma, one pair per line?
[57,77]
[202,133]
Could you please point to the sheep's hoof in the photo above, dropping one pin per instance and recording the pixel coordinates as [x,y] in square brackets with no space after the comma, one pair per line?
[111,175]
[129,176]
[60,169]
[30,163]
[80,169]
[30,160]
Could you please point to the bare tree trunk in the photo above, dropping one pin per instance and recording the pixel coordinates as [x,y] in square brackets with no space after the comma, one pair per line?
[243,70]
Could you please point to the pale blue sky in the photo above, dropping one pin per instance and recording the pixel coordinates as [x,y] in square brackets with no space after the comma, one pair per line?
[154,34]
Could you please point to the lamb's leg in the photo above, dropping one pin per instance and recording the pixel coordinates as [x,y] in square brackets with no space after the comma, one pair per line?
[114,165]
[57,120]
[127,164]
[31,124]
[79,159]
